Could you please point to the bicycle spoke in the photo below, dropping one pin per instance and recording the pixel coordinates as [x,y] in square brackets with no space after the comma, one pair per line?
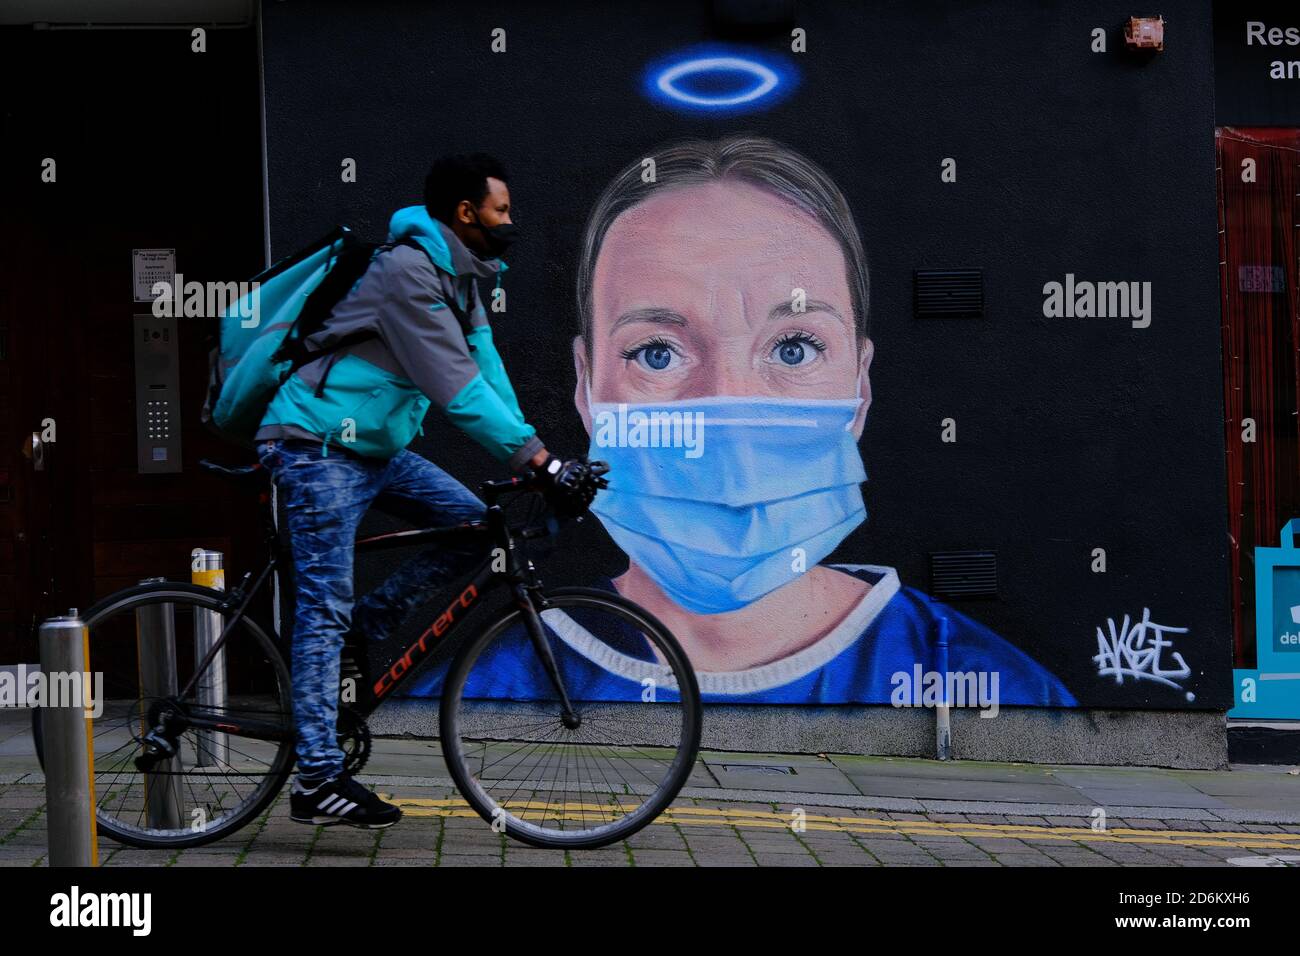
[215,777]
[589,784]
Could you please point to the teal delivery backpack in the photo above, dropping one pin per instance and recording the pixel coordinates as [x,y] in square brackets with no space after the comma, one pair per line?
[262,334]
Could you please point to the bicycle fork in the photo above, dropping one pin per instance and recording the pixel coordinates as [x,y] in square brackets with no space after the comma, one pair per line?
[537,634]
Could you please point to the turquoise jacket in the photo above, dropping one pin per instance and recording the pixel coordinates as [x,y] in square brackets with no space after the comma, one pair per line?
[425,351]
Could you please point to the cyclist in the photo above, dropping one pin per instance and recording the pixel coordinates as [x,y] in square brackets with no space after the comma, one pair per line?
[334,441]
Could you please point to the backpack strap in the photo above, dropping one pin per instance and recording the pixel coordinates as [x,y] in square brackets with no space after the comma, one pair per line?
[347,265]
[333,350]
[328,294]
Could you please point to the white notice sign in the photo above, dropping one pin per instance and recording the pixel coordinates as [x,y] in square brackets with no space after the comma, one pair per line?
[149,266]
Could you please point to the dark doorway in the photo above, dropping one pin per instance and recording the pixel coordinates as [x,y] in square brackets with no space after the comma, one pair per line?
[155,146]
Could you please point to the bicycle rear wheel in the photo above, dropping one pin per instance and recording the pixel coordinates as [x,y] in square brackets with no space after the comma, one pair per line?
[551,785]
[234,742]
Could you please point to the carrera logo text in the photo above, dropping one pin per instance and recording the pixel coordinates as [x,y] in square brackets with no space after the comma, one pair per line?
[415,653]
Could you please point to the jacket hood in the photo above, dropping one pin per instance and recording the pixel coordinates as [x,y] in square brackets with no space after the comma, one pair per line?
[442,245]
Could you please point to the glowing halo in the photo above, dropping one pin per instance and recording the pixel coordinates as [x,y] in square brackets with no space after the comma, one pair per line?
[765,79]
[766,76]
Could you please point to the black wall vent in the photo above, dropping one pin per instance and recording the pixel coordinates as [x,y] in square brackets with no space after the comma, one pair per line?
[948,293]
[963,574]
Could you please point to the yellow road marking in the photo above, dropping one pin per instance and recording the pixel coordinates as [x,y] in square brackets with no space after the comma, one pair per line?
[534,809]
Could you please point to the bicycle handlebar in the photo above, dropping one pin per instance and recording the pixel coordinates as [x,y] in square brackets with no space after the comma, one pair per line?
[489,491]
[494,488]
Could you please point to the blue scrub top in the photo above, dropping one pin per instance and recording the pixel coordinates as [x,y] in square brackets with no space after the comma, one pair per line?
[900,635]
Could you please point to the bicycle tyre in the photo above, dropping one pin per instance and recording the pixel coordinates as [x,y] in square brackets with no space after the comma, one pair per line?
[481,801]
[180,593]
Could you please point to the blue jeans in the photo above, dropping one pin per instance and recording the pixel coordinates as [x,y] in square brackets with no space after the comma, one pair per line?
[325,497]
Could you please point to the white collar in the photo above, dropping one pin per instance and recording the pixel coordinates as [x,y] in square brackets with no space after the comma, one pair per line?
[752,679]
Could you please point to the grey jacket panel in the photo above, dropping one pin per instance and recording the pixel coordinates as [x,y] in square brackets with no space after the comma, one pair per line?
[404,298]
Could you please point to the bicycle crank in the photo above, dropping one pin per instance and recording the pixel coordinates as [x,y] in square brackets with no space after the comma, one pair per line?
[354,740]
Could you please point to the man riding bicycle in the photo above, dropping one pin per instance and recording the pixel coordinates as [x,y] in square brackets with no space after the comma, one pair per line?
[334,441]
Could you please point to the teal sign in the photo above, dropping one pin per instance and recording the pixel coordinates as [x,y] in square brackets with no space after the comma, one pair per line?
[1286,610]
[1272,690]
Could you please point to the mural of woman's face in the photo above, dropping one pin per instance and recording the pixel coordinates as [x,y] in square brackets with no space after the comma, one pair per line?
[694,295]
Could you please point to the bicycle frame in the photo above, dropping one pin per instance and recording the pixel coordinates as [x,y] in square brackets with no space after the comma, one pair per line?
[503,566]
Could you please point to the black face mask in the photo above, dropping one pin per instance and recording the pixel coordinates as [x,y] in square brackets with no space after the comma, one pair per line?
[497,238]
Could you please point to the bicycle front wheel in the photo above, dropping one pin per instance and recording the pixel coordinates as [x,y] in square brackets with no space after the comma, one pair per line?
[232,736]
[551,784]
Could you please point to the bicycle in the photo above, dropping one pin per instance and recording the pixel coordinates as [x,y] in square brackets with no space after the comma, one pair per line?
[170,722]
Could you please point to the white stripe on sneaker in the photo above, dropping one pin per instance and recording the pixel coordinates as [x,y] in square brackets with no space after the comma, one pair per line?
[348,809]
[330,802]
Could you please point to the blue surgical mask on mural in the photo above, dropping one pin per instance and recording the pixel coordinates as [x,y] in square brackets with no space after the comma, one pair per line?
[722,500]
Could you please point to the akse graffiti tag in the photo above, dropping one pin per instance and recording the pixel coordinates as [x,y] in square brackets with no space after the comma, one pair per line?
[1135,650]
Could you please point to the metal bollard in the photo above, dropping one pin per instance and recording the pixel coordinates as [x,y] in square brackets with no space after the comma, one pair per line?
[69,742]
[942,717]
[155,628]
[206,569]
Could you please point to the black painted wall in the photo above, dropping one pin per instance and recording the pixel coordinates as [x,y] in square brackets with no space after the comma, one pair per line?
[1251,56]
[1073,434]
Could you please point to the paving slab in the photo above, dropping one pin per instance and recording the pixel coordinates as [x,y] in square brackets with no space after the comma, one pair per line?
[823,778]
[889,795]
[1135,797]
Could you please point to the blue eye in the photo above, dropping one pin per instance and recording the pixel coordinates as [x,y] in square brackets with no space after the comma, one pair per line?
[655,355]
[797,348]
[791,353]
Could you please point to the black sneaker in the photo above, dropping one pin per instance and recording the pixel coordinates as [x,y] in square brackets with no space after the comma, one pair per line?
[341,800]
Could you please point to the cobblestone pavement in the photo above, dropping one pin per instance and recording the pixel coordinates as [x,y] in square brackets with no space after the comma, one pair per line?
[752,809]
[439,829]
